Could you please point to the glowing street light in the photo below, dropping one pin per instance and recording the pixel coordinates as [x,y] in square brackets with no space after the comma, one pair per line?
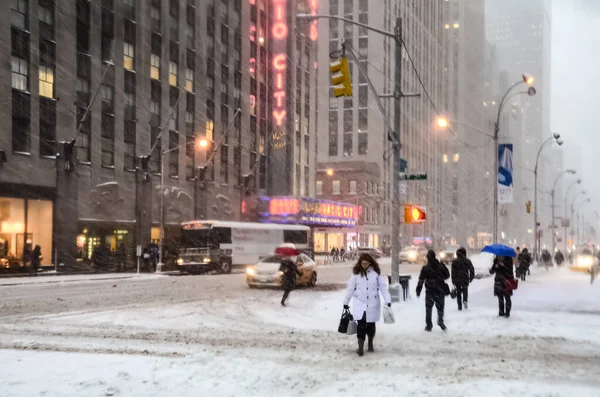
[442,122]
[203,143]
[329,172]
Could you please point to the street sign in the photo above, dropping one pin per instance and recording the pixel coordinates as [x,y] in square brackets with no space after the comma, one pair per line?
[403,165]
[413,177]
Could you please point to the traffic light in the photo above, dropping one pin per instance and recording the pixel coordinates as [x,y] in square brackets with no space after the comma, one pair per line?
[414,215]
[340,78]
[528,206]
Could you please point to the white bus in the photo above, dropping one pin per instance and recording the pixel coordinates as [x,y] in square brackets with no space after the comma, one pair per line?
[220,245]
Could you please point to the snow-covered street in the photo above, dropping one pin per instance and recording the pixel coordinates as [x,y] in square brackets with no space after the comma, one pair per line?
[221,339]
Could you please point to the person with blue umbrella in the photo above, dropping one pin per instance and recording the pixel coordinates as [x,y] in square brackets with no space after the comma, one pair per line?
[504,280]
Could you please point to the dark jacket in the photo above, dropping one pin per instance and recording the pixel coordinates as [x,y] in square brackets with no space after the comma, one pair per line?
[463,271]
[503,272]
[524,259]
[290,270]
[433,275]
[35,256]
[559,257]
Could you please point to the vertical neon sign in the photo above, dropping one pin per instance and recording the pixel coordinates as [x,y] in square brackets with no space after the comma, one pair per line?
[314,30]
[280,33]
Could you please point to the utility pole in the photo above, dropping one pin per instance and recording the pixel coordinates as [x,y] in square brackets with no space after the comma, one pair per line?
[396,159]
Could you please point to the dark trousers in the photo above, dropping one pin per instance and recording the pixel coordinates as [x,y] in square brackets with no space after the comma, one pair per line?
[462,295]
[365,329]
[438,299]
[504,304]
[286,293]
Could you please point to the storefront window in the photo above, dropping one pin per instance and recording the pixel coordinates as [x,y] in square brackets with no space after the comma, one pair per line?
[20,218]
[319,241]
[335,240]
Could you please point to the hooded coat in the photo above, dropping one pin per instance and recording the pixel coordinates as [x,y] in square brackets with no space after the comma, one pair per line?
[433,276]
[463,271]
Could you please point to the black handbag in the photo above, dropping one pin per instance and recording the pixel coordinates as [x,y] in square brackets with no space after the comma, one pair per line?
[344,321]
[446,289]
[453,293]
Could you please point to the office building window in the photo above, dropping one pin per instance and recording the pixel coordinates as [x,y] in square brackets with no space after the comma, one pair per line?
[154,67]
[18,14]
[174,154]
[348,145]
[173,74]
[319,188]
[46,81]
[19,74]
[130,140]
[83,142]
[333,144]
[108,141]
[189,80]
[352,187]
[335,188]
[363,96]
[224,164]
[128,56]
[363,142]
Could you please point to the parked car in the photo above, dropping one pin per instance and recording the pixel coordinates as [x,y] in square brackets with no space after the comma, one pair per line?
[448,254]
[374,252]
[414,254]
[265,273]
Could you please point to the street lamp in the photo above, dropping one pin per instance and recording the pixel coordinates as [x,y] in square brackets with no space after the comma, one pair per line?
[579,220]
[329,172]
[577,182]
[554,227]
[531,92]
[555,137]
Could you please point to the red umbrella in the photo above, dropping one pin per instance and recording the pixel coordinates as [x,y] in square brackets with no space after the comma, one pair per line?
[286,251]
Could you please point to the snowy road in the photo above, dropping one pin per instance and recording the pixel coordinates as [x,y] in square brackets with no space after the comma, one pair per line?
[190,336]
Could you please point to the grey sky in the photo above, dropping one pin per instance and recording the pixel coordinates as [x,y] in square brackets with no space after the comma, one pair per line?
[576,87]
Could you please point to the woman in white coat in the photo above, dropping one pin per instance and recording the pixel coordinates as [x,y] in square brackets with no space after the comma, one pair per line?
[365,286]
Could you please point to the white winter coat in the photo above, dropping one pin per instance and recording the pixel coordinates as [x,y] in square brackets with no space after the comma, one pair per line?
[365,291]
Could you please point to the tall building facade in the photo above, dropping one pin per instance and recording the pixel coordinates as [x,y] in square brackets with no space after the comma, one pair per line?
[468,152]
[521,32]
[186,92]
[354,153]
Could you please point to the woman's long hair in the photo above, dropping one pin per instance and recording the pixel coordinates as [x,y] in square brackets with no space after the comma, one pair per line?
[358,269]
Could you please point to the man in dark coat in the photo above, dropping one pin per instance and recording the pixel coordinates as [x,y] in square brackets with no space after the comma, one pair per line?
[524,259]
[433,275]
[288,279]
[36,259]
[503,269]
[463,274]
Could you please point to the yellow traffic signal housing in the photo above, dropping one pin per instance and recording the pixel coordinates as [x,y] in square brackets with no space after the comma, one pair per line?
[528,207]
[414,214]
[340,78]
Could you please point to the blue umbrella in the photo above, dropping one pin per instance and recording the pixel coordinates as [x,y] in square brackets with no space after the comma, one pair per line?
[500,250]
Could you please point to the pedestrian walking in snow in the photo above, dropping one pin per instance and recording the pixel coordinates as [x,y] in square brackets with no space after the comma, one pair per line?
[433,276]
[463,274]
[559,258]
[524,259]
[36,259]
[289,270]
[502,267]
[365,286]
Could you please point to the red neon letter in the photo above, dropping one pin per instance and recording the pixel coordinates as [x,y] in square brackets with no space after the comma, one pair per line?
[279,115]
[280,30]
[279,95]
[279,62]
[279,81]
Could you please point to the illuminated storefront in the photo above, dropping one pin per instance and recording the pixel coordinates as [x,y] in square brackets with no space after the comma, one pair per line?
[24,224]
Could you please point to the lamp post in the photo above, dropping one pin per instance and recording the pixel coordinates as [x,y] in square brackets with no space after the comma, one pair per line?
[203,143]
[531,91]
[577,182]
[554,227]
[583,192]
[536,237]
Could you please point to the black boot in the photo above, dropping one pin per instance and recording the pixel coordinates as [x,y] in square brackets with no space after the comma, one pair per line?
[361,347]
[370,348]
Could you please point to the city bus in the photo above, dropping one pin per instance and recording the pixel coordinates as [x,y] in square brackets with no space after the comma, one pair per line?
[221,245]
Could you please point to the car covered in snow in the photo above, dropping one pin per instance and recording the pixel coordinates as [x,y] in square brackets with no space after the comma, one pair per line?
[448,254]
[265,273]
[414,254]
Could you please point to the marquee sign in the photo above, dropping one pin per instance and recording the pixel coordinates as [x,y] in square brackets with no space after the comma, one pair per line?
[307,211]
